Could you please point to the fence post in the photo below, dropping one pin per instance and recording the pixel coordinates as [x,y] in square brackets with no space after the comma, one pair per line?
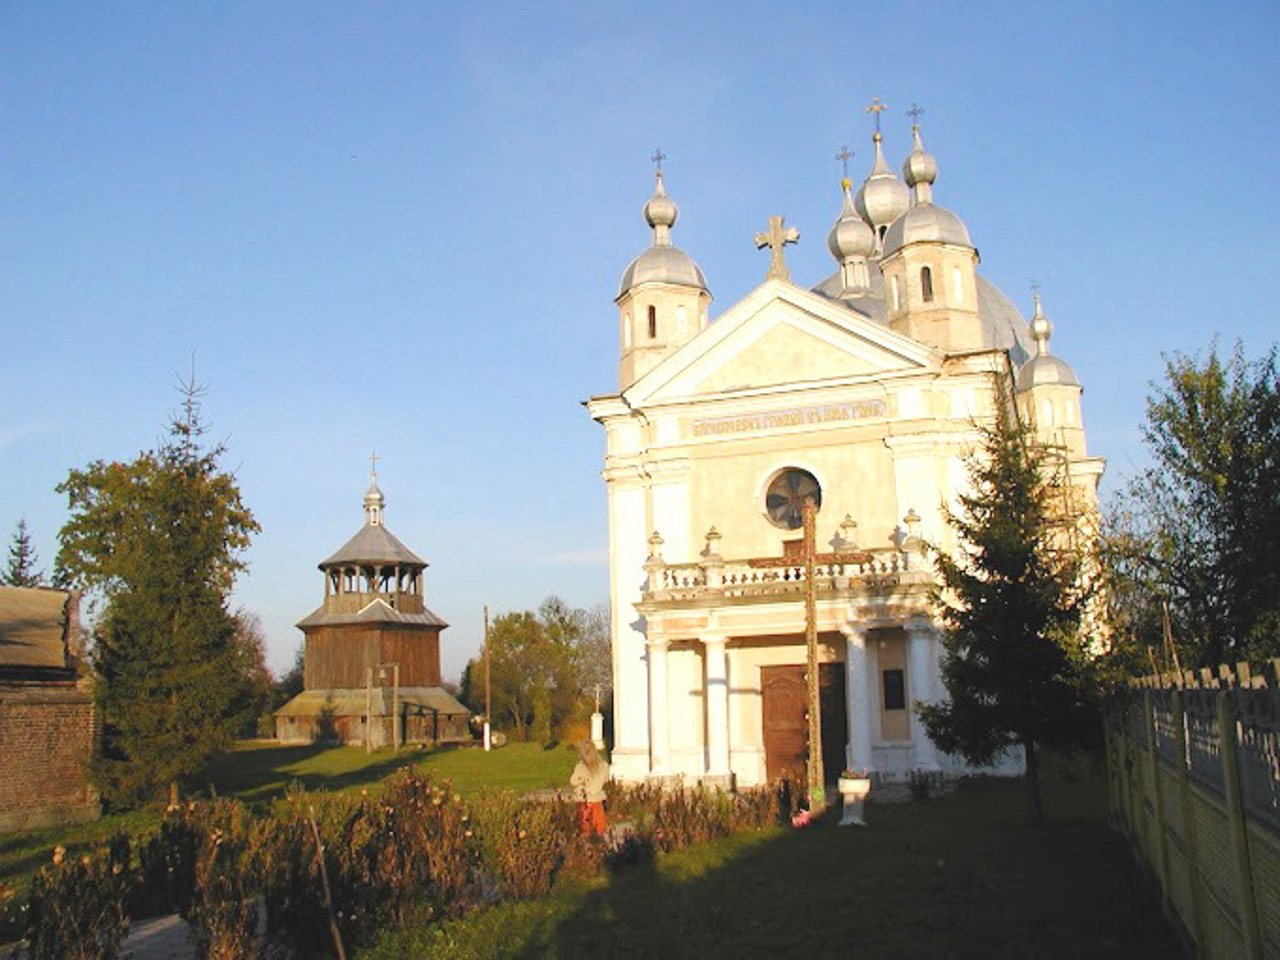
[1160,853]
[1195,923]
[1235,815]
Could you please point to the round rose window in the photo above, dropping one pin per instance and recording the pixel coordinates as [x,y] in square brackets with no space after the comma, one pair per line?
[786,495]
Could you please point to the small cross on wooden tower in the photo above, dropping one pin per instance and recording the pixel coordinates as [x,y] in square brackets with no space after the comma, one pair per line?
[775,240]
[373,465]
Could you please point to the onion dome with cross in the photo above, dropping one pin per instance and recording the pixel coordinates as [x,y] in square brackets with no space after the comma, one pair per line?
[663,262]
[1044,368]
[925,221]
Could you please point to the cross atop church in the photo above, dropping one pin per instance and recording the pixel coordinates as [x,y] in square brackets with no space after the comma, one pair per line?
[775,240]
[876,109]
[658,157]
[844,156]
[373,465]
[915,113]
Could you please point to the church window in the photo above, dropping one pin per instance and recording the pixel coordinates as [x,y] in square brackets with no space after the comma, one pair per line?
[897,295]
[653,322]
[1046,411]
[784,500]
[680,319]
[1070,415]
[626,331]
[895,690]
[957,286]
[926,284]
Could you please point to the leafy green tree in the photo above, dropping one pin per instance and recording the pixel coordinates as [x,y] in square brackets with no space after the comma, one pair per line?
[1015,667]
[1198,531]
[22,570]
[533,667]
[157,543]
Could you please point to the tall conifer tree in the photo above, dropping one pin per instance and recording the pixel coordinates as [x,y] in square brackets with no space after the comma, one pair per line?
[159,540]
[22,571]
[1015,667]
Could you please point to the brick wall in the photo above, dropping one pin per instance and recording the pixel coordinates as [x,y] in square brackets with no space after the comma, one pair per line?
[47,735]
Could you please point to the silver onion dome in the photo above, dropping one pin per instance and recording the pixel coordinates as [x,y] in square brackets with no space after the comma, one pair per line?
[663,262]
[882,198]
[1044,369]
[850,236]
[920,169]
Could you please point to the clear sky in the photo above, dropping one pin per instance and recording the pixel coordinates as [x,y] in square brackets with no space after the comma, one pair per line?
[400,226]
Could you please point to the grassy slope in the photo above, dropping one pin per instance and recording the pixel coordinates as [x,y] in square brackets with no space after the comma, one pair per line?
[956,877]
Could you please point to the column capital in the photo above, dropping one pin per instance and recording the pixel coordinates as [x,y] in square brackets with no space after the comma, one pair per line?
[856,633]
[920,625]
[713,639]
[657,643]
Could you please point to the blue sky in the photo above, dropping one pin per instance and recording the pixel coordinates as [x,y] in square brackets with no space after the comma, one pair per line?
[400,226]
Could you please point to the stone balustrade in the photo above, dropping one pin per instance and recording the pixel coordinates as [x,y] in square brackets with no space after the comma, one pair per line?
[714,577]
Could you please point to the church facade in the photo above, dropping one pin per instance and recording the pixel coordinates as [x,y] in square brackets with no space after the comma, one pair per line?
[860,394]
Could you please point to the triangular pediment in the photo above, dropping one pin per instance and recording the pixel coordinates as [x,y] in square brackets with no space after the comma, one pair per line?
[780,336]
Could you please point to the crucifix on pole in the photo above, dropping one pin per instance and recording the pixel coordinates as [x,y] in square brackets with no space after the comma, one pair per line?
[810,558]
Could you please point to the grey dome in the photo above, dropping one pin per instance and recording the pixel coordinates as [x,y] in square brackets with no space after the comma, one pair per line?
[1003,326]
[662,264]
[1045,370]
[926,223]
[850,236]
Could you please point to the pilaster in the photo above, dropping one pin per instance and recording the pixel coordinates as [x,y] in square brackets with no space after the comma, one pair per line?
[858,690]
[717,700]
[921,668]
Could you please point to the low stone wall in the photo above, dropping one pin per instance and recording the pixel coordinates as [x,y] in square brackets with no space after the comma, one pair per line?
[48,732]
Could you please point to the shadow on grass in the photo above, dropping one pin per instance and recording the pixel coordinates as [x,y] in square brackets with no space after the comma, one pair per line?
[256,774]
[956,877]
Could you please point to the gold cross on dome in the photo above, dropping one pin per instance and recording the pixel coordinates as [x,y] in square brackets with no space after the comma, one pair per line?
[876,109]
[775,240]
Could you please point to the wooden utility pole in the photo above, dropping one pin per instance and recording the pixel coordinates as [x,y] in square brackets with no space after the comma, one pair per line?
[486,677]
[810,558]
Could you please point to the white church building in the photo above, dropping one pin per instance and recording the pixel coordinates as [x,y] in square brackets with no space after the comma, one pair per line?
[861,393]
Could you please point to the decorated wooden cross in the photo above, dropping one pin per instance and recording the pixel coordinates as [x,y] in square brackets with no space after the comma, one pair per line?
[810,558]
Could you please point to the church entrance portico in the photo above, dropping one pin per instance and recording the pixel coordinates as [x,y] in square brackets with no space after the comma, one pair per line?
[784,727]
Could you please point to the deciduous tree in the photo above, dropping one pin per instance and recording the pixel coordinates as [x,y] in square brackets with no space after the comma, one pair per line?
[158,542]
[1016,667]
[1199,529]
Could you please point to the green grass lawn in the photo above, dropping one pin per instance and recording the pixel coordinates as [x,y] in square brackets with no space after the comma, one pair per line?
[258,772]
[961,876]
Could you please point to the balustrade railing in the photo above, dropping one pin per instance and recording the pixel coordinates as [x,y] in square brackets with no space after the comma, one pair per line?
[737,577]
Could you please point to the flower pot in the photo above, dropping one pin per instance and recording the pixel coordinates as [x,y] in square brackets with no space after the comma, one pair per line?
[853,791]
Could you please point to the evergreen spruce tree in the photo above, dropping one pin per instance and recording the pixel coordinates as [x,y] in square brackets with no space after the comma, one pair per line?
[22,571]
[158,540]
[1016,667]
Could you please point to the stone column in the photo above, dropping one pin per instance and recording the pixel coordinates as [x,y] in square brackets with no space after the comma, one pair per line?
[658,709]
[921,665]
[858,691]
[717,707]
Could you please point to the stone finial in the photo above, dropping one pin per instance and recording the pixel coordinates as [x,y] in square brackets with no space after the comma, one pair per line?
[912,520]
[849,532]
[710,551]
[655,546]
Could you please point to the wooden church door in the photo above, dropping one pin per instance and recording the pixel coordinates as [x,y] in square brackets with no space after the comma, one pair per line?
[783,706]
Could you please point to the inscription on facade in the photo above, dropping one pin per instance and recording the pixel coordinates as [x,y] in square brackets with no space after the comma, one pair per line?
[797,417]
